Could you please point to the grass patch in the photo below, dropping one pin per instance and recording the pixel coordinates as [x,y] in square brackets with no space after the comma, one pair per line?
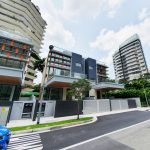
[52,124]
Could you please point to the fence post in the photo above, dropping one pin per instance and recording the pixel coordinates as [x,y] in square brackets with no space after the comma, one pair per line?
[110,104]
[97,106]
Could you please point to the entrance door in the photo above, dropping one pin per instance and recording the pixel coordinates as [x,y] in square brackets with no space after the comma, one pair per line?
[98,95]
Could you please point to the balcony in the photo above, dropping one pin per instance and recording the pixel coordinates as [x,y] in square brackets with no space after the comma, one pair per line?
[28,83]
[108,85]
[31,70]
[30,76]
[11,75]
[62,78]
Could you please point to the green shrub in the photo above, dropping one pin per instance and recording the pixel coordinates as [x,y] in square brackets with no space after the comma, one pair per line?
[29,94]
[130,93]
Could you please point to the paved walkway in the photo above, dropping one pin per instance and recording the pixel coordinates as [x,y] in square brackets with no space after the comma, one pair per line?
[24,122]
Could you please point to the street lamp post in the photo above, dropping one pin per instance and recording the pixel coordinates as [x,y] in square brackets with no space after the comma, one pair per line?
[42,86]
[145,96]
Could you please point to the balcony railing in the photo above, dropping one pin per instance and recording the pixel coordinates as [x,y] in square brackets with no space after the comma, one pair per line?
[11,63]
[78,75]
[68,74]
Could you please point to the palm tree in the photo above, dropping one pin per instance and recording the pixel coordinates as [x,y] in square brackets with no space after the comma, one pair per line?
[39,65]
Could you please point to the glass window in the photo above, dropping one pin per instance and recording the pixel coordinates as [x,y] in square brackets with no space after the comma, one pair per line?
[5,91]
[52,59]
[51,70]
[67,73]
[78,65]
[56,94]
[90,68]
[57,71]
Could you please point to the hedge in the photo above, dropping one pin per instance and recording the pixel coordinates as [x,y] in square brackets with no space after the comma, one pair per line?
[130,93]
[29,94]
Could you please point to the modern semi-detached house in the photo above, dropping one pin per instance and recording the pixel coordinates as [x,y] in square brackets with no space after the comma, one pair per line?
[24,17]
[64,67]
[129,60]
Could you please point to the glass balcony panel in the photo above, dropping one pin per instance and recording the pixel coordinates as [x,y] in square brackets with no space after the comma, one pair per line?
[11,63]
[78,75]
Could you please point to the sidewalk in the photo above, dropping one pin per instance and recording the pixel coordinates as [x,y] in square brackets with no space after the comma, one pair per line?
[25,122]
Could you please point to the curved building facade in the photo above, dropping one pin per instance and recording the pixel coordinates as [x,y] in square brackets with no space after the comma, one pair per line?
[24,17]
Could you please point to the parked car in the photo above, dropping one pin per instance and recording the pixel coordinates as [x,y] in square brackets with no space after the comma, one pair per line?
[4,137]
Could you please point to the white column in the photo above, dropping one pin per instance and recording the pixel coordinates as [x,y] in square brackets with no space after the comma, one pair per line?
[92,92]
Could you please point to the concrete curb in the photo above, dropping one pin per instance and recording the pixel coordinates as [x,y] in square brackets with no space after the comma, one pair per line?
[53,128]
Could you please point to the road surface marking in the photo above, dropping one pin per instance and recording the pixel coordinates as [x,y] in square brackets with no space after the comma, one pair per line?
[98,137]
[28,142]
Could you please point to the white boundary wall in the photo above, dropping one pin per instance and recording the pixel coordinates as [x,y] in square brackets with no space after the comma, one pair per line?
[18,106]
[96,106]
[106,105]
[119,104]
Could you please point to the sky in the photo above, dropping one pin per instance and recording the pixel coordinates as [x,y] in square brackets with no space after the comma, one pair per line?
[94,28]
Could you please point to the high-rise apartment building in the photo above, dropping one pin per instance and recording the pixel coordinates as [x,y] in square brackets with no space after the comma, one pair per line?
[21,33]
[23,17]
[129,60]
[64,67]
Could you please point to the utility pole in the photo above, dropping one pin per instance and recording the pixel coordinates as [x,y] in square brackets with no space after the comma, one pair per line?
[145,96]
[42,86]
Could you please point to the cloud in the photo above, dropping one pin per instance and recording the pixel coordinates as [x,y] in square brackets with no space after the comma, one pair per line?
[145,12]
[92,8]
[56,34]
[109,40]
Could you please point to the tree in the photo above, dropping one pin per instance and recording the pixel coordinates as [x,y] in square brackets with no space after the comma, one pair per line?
[78,89]
[36,88]
[123,81]
[146,76]
[39,65]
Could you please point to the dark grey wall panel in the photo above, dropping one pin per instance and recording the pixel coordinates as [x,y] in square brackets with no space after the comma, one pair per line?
[77,59]
[90,68]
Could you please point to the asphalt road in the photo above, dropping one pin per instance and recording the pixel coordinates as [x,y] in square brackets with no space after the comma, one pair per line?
[59,139]
[124,140]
